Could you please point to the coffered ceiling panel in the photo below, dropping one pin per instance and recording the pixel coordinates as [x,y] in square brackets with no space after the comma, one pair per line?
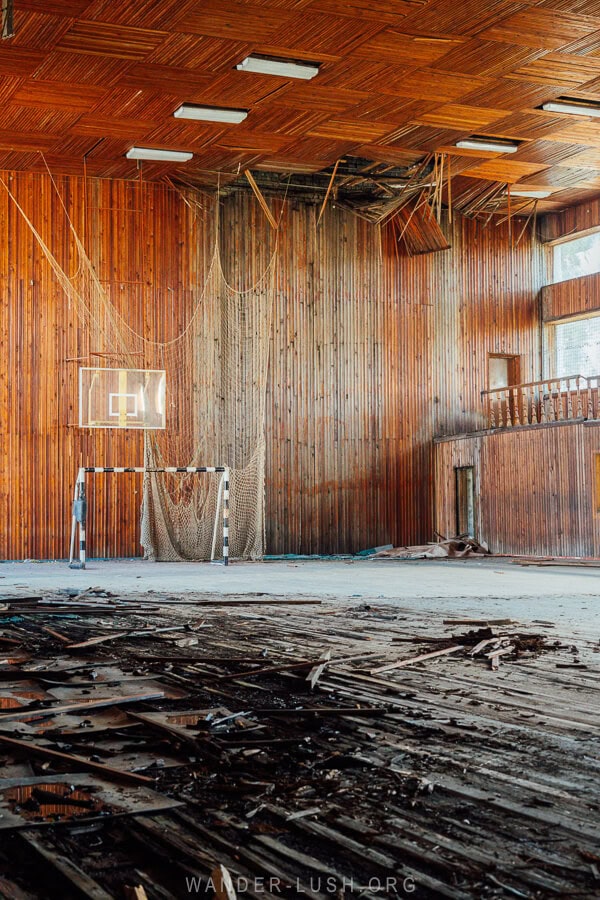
[542,29]
[397,80]
[477,57]
[567,70]
[464,17]
[586,7]
[507,170]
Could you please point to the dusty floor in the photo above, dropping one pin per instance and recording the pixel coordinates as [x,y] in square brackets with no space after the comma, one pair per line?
[493,586]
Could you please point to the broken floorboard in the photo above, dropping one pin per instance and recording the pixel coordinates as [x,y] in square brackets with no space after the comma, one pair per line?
[439,774]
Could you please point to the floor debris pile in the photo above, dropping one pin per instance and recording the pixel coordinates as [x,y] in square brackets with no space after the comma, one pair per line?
[460,547]
[163,747]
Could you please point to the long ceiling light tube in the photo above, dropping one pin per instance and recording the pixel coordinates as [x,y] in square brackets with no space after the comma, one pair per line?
[282,67]
[537,195]
[572,107]
[210,114]
[488,144]
[150,153]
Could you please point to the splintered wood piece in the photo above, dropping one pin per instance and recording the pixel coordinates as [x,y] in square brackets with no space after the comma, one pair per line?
[103,638]
[500,652]
[222,883]
[316,672]
[416,659]
[329,187]
[97,640]
[479,622]
[283,667]
[259,196]
[135,893]
[480,646]
[56,634]
[32,749]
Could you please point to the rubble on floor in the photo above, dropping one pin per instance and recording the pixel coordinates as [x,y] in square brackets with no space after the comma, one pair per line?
[452,548]
[159,747]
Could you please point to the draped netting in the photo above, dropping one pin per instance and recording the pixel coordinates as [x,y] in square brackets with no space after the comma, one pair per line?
[216,373]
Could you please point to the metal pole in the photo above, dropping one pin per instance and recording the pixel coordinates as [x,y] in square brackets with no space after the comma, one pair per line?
[73,522]
[226,516]
[82,522]
[79,518]
[219,497]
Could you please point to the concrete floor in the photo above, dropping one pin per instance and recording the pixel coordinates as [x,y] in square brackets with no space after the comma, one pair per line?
[492,587]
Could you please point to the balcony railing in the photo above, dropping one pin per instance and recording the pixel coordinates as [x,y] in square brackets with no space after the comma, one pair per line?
[538,402]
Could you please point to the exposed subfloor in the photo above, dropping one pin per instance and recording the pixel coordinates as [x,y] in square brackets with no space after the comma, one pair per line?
[282,742]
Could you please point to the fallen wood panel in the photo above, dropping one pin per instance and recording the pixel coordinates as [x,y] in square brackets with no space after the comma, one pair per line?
[33,749]
[78,707]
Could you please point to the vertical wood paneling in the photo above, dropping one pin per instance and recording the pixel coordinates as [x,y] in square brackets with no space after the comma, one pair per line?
[455,308]
[569,221]
[574,297]
[139,243]
[535,488]
[372,355]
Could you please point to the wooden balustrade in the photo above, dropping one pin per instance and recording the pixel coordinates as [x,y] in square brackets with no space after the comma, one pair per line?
[549,400]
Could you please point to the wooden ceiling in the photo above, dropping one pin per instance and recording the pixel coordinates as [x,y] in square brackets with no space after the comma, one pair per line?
[82,81]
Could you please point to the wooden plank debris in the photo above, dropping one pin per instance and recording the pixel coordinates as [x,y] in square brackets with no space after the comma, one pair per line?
[316,672]
[259,196]
[79,762]
[242,741]
[84,705]
[63,869]
[415,659]
[481,622]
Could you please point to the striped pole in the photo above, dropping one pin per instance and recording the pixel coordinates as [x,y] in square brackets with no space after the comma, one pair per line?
[82,523]
[74,522]
[226,517]
[78,521]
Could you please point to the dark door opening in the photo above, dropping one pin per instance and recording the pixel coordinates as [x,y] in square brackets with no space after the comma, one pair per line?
[465,501]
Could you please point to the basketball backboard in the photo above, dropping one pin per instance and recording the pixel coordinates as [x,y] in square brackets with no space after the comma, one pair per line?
[122,398]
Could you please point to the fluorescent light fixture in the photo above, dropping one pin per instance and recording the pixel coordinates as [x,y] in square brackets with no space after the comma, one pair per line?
[282,67]
[210,114]
[572,107]
[159,155]
[536,195]
[489,144]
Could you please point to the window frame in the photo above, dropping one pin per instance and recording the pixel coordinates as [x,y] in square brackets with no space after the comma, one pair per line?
[566,239]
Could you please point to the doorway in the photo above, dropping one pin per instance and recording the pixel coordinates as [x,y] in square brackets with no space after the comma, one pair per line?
[465,500]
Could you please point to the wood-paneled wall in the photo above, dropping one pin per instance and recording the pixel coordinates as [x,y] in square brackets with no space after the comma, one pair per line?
[570,221]
[535,488]
[372,355]
[574,297]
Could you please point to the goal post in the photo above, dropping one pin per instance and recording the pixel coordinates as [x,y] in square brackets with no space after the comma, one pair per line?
[79,516]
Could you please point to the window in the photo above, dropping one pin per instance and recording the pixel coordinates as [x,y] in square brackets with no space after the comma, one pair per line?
[503,371]
[574,347]
[576,257]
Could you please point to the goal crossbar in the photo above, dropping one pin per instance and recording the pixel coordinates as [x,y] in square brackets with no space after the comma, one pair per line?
[79,518]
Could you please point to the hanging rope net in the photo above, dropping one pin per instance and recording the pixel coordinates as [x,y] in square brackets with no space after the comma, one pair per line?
[216,370]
